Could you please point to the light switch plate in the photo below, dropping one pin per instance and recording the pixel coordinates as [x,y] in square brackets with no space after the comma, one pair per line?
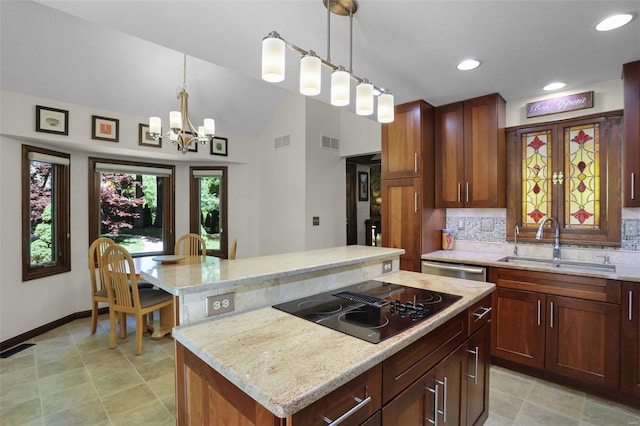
[630,228]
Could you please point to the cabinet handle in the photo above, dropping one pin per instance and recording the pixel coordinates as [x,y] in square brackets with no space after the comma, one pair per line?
[539,303]
[479,316]
[475,375]
[434,391]
[633,186]
[467,192]
[551,314]
[360,403]
[415,202]
[415,162]
[459,192]
[630,305]
[444,408]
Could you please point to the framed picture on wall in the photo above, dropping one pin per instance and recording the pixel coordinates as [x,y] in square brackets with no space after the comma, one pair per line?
[52,120]
[363,186]
[219,146]
[105,129]
[145,138]
[192,145]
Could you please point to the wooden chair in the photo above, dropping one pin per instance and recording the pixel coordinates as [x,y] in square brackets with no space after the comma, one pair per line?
[191,245]
[233,248]
[125,297]
[98,286]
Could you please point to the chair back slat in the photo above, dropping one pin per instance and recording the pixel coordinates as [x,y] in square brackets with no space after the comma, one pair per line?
[119,269]
[191,245]
[96,250]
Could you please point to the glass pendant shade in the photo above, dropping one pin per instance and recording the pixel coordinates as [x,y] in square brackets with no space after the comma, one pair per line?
[175,120]
[273,59]
[340,87]
[385,108]
[310,75]
[364,98]
[155,125]
[209,127]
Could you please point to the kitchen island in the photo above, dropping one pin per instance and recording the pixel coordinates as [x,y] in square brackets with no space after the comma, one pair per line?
[261,281]
[266,365]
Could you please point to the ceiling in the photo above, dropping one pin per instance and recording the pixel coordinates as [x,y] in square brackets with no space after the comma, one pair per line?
[127,56]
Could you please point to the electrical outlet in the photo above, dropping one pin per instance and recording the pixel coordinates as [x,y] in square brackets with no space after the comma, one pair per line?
[220,304]
[630,228]
[316,221]
[386,266]
[460,223]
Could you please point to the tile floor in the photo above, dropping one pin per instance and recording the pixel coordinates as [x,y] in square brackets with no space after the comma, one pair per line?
[70,377]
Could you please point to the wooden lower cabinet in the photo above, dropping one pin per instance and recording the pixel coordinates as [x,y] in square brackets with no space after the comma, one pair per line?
[630,331]
[443,375]
[573,330]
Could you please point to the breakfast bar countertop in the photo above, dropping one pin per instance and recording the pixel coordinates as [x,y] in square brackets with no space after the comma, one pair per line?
[188,278]
[285,363]
[623,271]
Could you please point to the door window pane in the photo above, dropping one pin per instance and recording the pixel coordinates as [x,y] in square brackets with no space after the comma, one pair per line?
[208,199]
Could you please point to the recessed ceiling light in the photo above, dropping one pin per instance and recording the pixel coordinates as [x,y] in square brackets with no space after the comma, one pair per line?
[554,86]
[613,22]
[468,64]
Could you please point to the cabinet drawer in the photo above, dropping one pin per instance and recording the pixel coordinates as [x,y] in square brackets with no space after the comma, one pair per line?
[403,368]
[479,314]
[354,402]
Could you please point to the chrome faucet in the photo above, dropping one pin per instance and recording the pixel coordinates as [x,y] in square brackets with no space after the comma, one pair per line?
[516,232]
[556,243]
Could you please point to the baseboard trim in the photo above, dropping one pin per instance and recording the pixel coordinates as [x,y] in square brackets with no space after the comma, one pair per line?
[9,343]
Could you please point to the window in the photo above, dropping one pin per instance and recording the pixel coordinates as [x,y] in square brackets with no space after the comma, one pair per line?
[208,199]
[132,203]
[46,239]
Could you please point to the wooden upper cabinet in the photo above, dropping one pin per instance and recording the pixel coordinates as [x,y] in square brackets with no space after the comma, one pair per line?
[402,142]
[567,170]
[631,164]
[471,153]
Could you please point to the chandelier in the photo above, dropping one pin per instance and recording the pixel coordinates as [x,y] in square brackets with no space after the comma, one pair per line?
[182,133]
[273,64]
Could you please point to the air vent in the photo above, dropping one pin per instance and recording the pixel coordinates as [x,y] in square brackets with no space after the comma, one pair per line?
[330,143]
[282,141]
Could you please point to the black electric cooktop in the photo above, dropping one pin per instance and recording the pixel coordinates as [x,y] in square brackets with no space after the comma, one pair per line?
[371,310]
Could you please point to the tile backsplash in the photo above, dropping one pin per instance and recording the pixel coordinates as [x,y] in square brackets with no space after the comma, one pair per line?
[490,225]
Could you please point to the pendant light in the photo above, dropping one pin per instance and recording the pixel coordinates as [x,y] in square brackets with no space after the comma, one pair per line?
[364,98]
[310,74]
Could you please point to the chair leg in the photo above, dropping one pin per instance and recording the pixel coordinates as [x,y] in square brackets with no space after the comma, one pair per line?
[139,331]
[112,329]
[122,317]
[94,317]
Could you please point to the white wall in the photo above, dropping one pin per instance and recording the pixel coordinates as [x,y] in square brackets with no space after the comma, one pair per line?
[325,174]
[359,135]
[607,96]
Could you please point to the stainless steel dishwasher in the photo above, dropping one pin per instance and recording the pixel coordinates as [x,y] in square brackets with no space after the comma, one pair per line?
[455,270]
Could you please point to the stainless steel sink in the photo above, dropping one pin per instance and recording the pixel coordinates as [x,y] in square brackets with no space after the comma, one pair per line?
[558,264]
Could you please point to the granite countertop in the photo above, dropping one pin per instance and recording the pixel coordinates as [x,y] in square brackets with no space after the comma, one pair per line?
[623,272]
[183,279]
[286,363]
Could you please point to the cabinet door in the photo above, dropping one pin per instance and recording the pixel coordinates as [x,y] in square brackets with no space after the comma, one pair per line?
[484,152]
[402,143]
[517,331]
[415,406]
[402,219]
[451,375]
[478,377]
[631,164]
[630,351]
[583,340]
[449,136]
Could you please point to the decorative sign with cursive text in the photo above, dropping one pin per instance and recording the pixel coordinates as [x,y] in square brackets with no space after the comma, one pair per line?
[561,104]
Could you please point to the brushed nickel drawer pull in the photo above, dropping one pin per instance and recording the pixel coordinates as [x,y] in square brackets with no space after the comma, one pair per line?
[459,192]
[485,311]
[434,391]
[630,305]
[415,162]
[539,303]
[551,314]
[633,186]
[360,403]
[467,191]
[415,202]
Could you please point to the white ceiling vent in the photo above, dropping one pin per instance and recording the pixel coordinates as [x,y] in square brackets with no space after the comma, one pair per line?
[282,141]
[330,143]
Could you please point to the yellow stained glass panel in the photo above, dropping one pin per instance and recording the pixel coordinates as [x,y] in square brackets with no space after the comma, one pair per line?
[536,184]
[582,179]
